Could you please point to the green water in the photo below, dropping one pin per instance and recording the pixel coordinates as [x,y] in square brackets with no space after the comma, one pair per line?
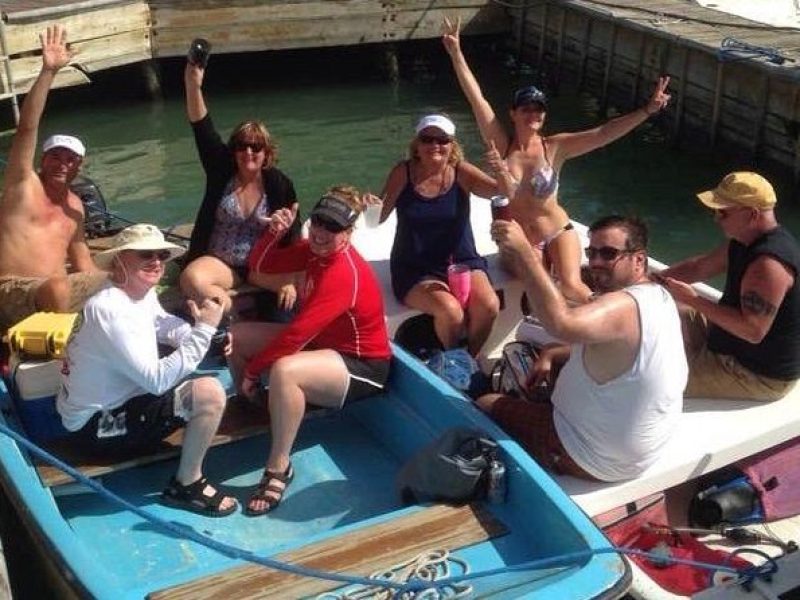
[338,118]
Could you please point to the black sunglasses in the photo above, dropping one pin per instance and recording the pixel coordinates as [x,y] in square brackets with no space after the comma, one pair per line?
[326,224]
[606,253]
[162,255]
[431,139]
[255,147]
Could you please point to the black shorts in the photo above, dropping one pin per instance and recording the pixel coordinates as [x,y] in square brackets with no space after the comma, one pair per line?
[366,377]
[137,426]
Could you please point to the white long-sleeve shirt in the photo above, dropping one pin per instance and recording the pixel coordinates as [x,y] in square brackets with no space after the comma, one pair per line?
[113,356]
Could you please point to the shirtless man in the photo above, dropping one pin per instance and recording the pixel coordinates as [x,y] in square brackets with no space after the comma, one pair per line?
[42,220]
[618,397]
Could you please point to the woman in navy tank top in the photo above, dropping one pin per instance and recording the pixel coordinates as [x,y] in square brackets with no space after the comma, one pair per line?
[431,194]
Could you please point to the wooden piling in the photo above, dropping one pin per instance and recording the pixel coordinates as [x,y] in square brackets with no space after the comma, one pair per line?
[608,67]
[716,104]
[543,34]
[587,40]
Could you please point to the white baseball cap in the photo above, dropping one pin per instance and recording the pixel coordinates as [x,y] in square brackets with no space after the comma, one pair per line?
[65,141]
[439,121]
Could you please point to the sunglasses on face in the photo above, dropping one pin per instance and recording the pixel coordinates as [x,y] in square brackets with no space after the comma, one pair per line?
[724,213]
[148,255]
[605,253]
[434,139]
[326,224]
[255,147]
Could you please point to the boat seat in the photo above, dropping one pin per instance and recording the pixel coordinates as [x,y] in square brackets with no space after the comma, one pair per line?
[359,552]
[241,420]
[710,434]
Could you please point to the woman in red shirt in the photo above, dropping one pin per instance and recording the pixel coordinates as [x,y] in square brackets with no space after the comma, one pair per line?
[337,347]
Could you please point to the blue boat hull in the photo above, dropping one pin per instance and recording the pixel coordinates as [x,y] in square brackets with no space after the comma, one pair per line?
[346,463]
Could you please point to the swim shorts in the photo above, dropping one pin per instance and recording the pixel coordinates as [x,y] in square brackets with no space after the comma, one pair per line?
[18,294]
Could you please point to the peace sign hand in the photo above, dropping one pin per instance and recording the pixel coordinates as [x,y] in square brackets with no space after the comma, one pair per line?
[450,36]
[660,97]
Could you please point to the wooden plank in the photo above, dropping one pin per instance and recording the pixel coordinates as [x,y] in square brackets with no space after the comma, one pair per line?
[219,14]
[47,10]
[264,28]
[359,552]
[90,56]
[68,76]
[81,27]
[241,420]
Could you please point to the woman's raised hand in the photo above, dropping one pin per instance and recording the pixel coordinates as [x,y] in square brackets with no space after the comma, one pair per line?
[370,199]
[450,36]
[281,220]
[193,75]
[660,97]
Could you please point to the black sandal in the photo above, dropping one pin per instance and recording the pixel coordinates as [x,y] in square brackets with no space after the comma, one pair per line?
[266,485]
[191,497]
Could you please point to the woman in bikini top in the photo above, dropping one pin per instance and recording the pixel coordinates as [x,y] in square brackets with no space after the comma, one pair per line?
[527,163]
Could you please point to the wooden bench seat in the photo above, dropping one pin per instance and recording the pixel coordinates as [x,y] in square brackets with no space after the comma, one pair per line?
[710,434]
[358,552]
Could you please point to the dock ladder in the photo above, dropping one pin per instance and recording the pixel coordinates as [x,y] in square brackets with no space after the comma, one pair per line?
[9,89]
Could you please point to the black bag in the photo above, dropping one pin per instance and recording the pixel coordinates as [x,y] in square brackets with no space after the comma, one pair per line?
[510,373]
[453,468]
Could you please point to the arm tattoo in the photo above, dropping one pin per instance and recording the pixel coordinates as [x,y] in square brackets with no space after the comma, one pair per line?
[753,303]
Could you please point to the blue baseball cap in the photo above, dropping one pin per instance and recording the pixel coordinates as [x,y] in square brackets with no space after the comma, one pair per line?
[336,211]
[529,95]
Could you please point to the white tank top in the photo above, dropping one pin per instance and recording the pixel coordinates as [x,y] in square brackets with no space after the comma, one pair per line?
[615,430]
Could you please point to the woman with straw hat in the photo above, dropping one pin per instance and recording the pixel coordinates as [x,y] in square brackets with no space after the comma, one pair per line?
[118,396]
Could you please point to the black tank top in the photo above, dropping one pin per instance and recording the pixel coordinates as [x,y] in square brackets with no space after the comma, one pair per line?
[778,354]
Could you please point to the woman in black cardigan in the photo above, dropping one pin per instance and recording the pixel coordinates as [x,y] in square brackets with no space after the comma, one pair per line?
[243,189]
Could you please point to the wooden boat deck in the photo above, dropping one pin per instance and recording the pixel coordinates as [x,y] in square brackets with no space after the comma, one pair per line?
[359,552]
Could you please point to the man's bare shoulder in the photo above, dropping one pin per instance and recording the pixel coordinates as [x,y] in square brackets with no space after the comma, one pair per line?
[74,203]
[24,192]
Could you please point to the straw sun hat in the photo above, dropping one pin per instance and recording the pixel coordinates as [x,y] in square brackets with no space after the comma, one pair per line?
[137,237]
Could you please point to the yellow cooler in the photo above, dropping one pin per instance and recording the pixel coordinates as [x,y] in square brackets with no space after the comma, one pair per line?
[42,335]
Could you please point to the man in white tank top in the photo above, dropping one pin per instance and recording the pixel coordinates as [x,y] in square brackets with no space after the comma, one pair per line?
[620,393]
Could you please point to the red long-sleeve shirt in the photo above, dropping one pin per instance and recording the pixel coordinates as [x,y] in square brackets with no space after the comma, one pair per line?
[341,307]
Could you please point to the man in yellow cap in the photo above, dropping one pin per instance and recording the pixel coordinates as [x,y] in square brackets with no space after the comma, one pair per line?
[747,345]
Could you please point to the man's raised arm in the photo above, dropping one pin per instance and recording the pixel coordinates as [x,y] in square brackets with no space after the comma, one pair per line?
[55,55]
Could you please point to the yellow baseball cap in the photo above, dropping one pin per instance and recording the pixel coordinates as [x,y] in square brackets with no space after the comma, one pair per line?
[740,188]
